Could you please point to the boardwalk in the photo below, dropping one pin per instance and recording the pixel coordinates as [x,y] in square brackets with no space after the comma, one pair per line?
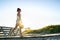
[5,30]
[41,37]
[32,38]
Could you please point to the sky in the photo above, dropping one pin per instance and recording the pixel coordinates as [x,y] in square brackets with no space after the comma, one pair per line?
[35,13]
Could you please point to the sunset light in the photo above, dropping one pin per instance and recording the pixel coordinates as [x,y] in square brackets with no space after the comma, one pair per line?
[35,13]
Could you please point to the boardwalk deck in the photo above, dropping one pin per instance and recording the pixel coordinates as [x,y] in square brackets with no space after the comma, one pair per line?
[54,37]
[4,31]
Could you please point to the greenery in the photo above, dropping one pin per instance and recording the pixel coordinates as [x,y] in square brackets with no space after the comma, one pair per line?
[46,30]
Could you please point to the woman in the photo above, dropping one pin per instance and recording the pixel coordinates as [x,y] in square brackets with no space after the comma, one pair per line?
[18,22]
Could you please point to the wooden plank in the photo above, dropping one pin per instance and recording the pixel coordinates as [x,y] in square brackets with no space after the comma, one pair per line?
[31,38]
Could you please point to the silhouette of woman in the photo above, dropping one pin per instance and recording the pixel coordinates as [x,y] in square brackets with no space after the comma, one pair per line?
[18,22]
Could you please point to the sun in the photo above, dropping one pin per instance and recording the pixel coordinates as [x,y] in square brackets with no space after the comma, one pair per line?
[25,23]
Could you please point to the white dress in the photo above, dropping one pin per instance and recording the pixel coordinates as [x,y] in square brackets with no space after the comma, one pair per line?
[18,21]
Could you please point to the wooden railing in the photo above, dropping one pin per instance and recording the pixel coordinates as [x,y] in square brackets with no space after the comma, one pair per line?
[4,31]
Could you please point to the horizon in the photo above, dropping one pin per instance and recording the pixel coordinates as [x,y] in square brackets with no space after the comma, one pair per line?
[35,13]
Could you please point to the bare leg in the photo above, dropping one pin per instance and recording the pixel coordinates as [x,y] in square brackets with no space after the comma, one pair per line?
[12,30]
[20,32]
[20,29]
